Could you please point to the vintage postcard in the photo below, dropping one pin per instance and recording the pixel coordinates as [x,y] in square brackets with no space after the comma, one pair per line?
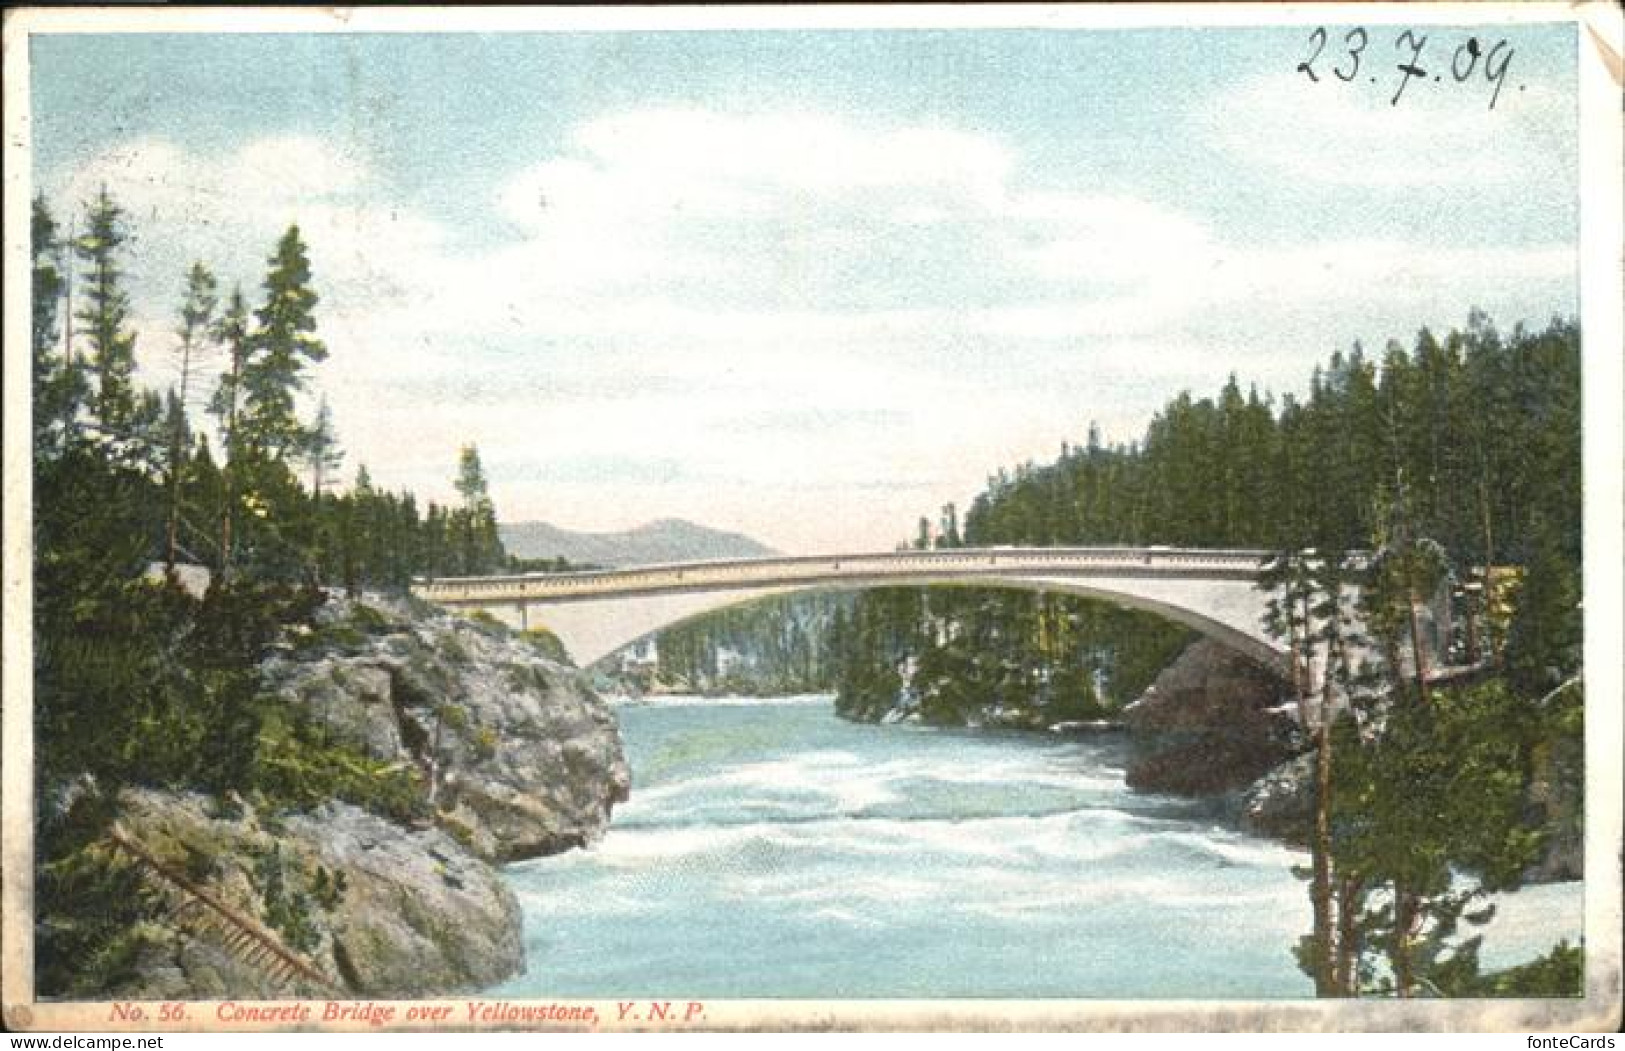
[949,517]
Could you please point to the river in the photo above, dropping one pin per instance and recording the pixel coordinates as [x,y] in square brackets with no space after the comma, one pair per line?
[771,849]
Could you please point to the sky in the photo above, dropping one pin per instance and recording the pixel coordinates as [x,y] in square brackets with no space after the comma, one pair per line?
[811,285]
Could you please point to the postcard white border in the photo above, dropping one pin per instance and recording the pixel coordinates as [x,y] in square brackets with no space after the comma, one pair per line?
[1602,317]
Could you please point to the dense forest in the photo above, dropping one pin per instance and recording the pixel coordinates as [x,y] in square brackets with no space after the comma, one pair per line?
[224,472]
[1053,658]
[772,647]
[134,489]
[957,656]
[1475,436]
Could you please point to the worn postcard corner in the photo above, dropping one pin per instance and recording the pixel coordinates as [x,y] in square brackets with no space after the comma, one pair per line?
[813,517]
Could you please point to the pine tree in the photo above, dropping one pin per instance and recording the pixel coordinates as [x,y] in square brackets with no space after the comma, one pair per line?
[105,315]
[476,521]
[1544,641]
[950,527]
[197,321]
[231,332]
[58,384]
[321,451]
[282,344]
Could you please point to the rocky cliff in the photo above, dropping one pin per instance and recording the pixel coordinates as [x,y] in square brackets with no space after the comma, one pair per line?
[1208,724]
[334,902]
[508,754]
[520,758]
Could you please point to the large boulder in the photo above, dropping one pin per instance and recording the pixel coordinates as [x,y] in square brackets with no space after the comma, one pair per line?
[365,908]
[1207,687]
[523,759]
[1210,723]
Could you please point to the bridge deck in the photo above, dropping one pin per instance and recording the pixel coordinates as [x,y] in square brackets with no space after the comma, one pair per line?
[949,565]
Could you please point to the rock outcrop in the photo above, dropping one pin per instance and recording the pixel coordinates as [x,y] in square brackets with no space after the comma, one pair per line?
[1208,724]
[374,909]
[523,758]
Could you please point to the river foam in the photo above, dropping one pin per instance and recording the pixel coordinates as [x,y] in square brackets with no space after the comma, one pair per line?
[772,850]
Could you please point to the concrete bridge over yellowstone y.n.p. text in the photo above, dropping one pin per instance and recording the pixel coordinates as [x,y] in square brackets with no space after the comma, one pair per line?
[595,613]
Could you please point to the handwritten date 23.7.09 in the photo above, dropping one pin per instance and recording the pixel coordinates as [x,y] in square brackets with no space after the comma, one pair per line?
[1472,60]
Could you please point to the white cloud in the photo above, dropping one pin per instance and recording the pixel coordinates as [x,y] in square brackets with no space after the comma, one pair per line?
[781,304]
[1352,134]
[808,152]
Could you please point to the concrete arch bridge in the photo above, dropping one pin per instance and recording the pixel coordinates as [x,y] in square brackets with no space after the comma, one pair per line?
[1214,592]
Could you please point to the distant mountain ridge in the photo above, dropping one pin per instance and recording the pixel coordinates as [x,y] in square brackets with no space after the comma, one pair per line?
[665,540]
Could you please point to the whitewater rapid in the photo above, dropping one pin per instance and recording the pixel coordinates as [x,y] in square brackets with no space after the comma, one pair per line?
[772,850]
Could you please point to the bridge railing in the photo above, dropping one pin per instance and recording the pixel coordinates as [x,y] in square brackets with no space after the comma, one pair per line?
[868,566]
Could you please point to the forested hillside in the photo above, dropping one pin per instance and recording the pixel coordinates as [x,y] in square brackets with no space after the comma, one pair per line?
[1471,440]
[774,646]
[1475,435]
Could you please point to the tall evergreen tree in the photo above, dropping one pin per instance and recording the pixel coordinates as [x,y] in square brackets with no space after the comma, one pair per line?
[321,451]
[104,317]
[232,332]
[1543,647]
[476,521]
[282,344]
[197,323]
[58,383]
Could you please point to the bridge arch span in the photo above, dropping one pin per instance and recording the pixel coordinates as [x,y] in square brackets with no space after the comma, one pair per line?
[596,613]
[590,636]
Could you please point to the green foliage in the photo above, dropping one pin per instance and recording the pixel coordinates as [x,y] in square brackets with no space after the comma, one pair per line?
[525,678]
[197,323]
[368,537]
[104,316]
[1475,437]
[1430,814]
[770,646]
[474,525]
[287,906]
[1561,972]
[971,655]
[1484,427]
[283,343]
[320,450]
[138,681]
[88,902]
[296,763]
[59,386]
[328,887]
[1434,798]
[451,647]
[547,644]
[1544,641]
